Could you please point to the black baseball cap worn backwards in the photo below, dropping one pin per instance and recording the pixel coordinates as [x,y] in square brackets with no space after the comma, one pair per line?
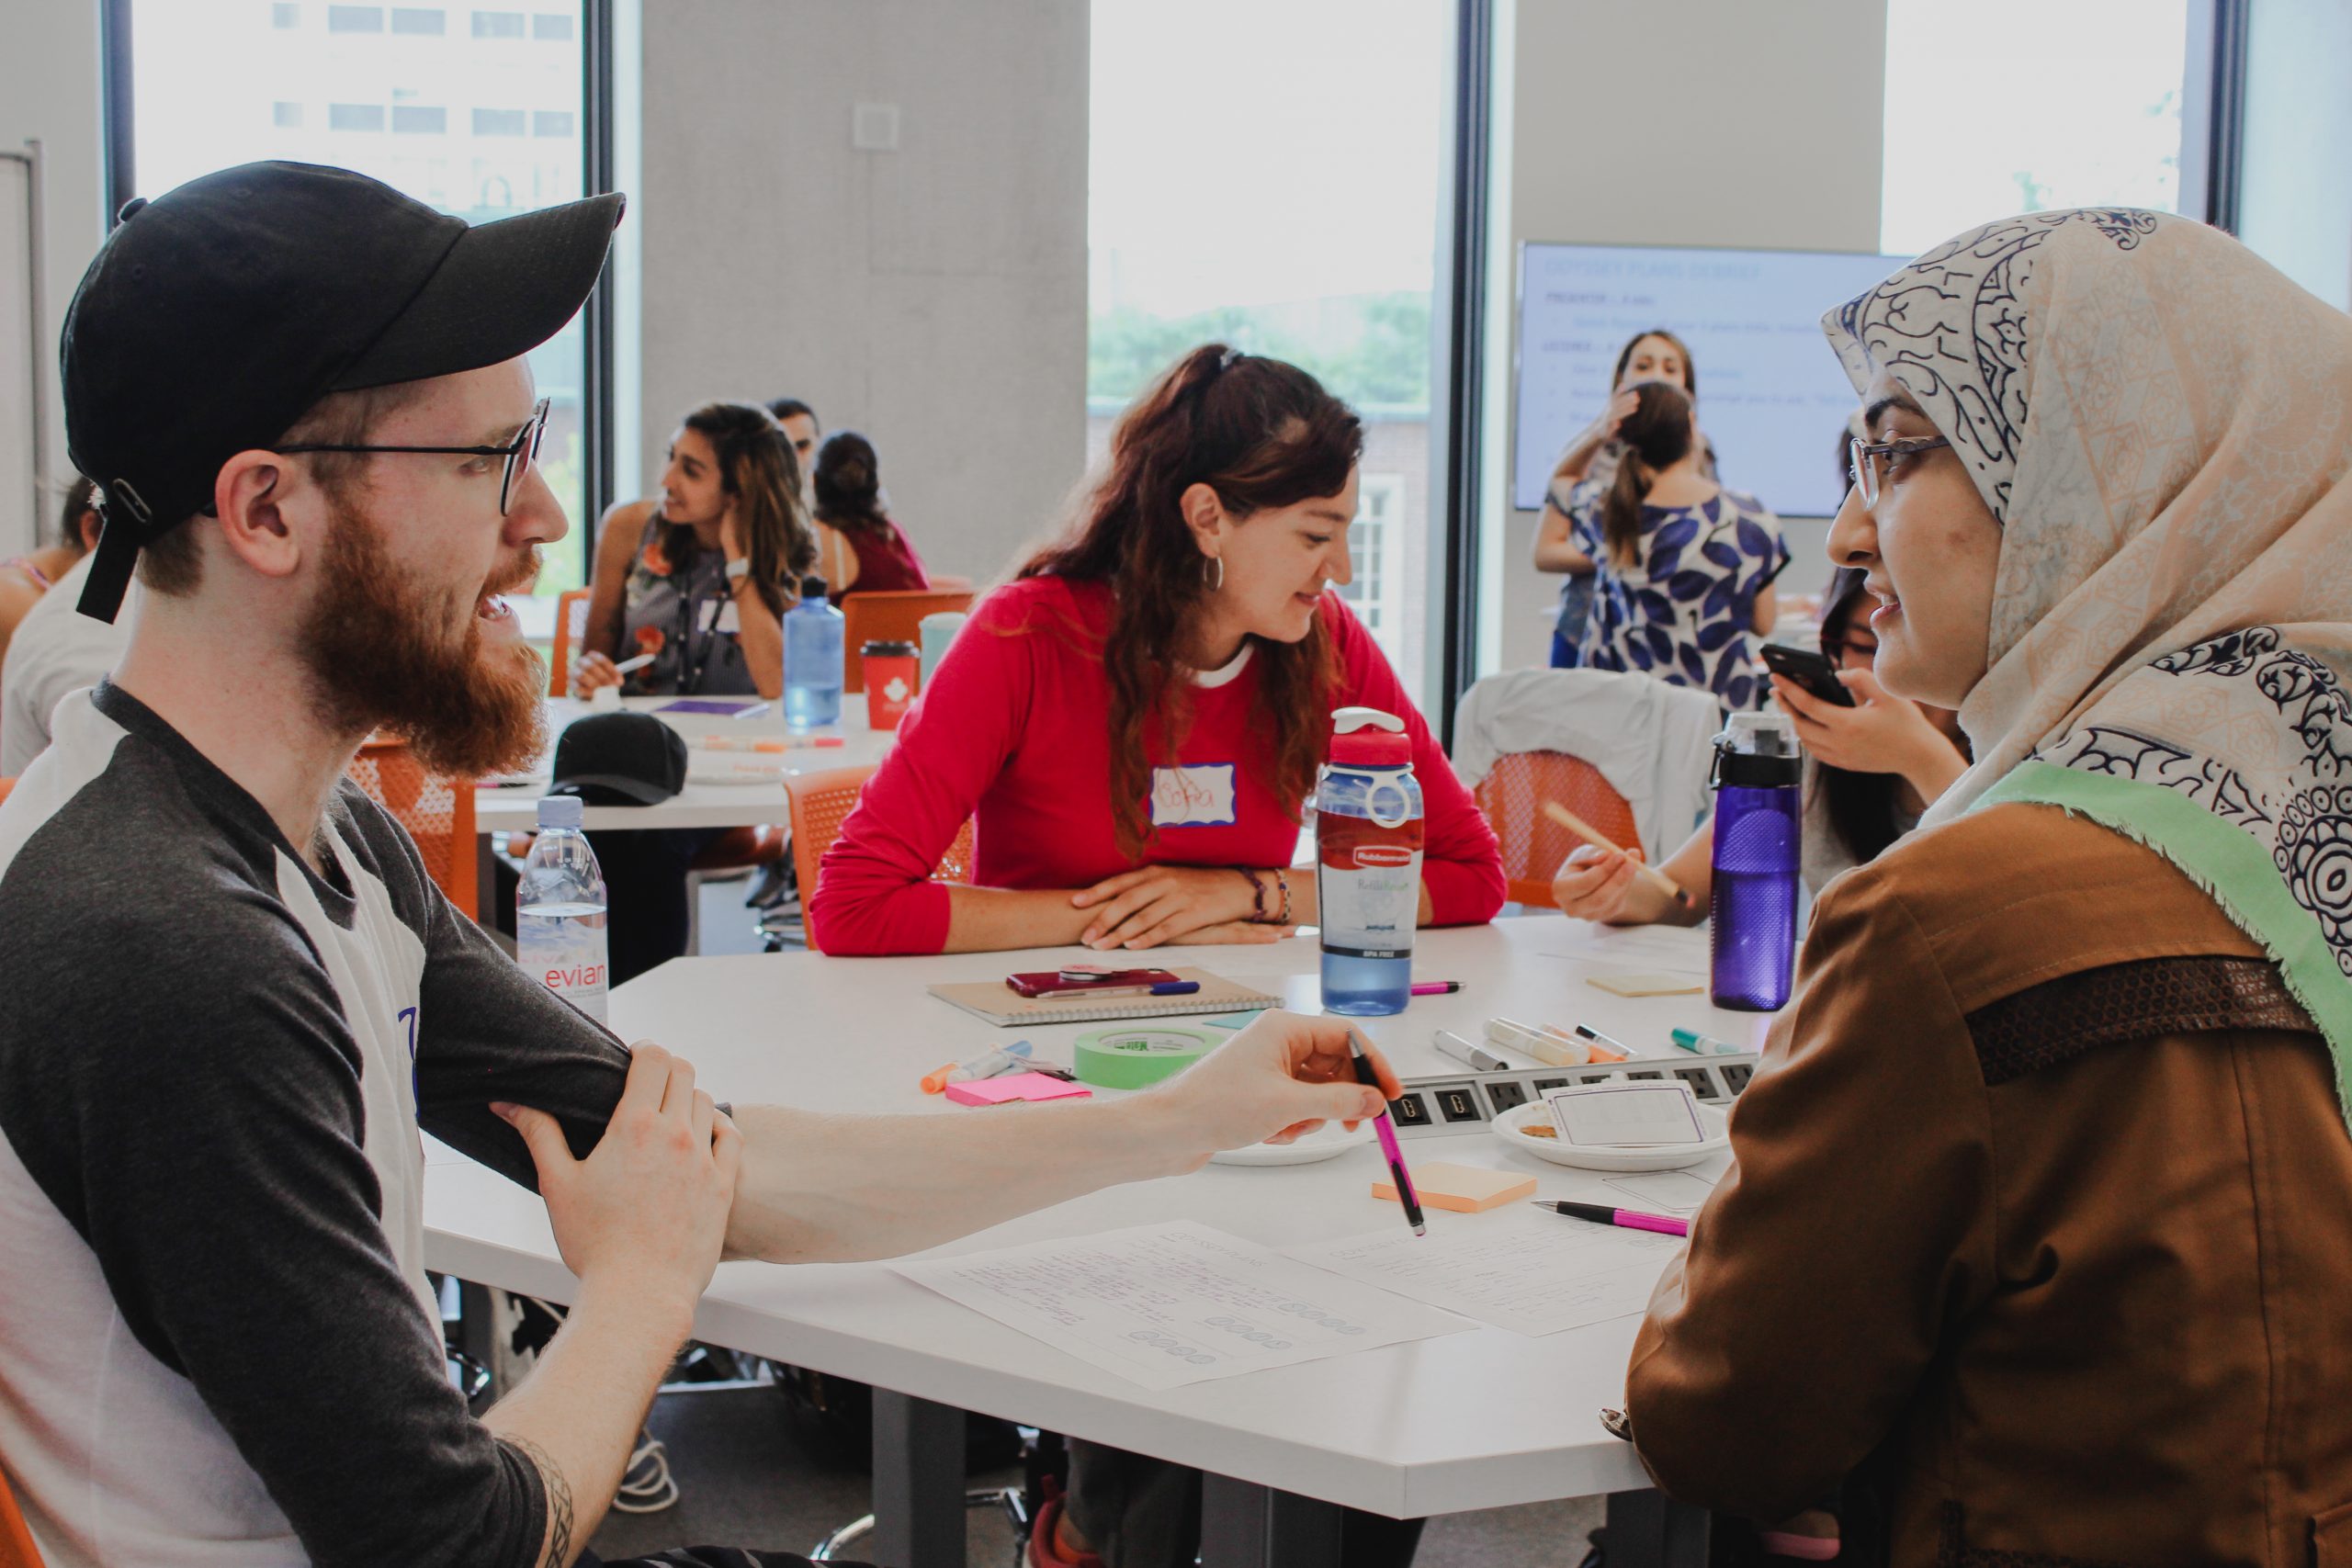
[217,314]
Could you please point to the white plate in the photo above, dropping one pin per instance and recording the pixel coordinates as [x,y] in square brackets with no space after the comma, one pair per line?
[1321,1144]
[1655,1157]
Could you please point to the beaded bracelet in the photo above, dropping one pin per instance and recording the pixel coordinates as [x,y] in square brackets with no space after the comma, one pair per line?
[1257,894]
[1282,878]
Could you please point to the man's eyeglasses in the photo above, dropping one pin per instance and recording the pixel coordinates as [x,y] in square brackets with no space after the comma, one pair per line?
[520,454]
[1867,456]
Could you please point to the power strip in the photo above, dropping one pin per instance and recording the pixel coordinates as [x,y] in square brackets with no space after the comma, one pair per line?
[1468,1102]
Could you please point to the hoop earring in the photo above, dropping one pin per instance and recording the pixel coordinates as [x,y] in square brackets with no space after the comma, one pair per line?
[1217,582]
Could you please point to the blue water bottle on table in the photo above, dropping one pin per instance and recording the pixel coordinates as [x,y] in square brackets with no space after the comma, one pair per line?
[812,659]
[1367,864]
[1760,809]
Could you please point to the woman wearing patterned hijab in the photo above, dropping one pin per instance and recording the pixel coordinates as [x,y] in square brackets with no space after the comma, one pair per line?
[2039,1231]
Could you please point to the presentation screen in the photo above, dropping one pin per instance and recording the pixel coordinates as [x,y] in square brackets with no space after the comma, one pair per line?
[1771,395]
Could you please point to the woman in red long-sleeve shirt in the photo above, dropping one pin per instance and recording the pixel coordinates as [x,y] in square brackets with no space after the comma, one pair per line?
[1136,720]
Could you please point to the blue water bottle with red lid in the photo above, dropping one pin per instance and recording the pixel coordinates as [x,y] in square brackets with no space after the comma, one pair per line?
[1760,809]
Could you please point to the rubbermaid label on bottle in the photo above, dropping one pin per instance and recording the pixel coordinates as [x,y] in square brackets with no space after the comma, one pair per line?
[1368,881]
[1198,796]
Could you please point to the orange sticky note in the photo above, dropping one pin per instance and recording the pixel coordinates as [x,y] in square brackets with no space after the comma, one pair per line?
[1463,1189]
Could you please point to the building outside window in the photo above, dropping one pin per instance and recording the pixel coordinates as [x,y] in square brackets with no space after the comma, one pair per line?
[284,13]
[498,24]
[355,19]
[210,79]
[1301,222]
[551,27]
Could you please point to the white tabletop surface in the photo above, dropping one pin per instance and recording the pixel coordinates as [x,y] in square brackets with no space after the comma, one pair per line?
[1481,1419]
[515,808]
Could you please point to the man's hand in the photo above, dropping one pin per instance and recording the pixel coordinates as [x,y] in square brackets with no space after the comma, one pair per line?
[1154,904]
[1278,1079]
[648,1210]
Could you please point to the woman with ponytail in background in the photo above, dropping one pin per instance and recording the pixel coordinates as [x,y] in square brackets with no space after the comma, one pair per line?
[1683,568]
[860,547]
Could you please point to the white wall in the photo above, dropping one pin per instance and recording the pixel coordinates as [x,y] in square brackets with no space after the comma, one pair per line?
[2295,203]
[49,92]
[933,297]
[1699,122]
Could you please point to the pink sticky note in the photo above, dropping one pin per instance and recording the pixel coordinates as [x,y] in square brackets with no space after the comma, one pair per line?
[1015,1085]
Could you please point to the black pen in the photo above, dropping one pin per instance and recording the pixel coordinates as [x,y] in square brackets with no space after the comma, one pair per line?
[1387,1131]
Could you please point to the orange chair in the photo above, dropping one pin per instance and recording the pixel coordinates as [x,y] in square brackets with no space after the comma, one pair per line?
[437,813]
[1512,796]
[16,1548]
[570,631]
[881,617]
[5,786]
[822,802]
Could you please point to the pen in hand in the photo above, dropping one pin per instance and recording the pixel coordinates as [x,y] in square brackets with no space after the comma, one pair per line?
[1387,1132]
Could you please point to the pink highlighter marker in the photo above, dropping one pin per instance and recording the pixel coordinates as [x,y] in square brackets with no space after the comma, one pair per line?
[1629,1219]
[1387,1132]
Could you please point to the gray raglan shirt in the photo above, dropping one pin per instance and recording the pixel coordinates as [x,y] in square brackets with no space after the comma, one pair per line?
[217,1343]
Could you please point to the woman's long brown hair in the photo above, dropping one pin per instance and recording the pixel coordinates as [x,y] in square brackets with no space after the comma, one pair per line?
[1656,436]
[1260,434]
[756,466]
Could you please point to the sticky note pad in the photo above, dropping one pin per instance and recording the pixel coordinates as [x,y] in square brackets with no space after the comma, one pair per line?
[1013,1086]
[1463,1189]
[1649,985]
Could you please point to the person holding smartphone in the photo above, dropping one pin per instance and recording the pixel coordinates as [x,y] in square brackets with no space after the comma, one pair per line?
[1872,768]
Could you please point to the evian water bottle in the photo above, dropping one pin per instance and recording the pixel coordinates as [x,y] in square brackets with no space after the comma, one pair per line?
[560,909]
[1367,864]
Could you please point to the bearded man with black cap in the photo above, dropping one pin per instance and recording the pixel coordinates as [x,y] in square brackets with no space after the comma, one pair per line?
[229,995]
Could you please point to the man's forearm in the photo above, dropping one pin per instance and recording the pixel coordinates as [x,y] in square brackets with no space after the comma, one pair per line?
[578,1415]
[824,1188]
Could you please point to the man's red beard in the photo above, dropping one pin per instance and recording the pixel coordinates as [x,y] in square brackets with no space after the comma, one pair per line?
[386,652]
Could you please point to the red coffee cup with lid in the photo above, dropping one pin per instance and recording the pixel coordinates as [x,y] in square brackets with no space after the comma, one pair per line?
[893,676]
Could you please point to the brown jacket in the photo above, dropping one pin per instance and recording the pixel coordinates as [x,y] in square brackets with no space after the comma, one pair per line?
[2044,1185]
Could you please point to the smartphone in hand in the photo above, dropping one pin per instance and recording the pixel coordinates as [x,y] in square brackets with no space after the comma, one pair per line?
[1811,671]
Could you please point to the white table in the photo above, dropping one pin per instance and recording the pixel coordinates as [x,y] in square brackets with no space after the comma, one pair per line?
[512,809]
[1481,1419]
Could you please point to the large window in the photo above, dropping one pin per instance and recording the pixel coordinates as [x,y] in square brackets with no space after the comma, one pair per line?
[429,110]
[2035,104]
[1265,172]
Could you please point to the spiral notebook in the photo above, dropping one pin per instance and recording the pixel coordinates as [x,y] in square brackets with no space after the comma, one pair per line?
[1001,1005]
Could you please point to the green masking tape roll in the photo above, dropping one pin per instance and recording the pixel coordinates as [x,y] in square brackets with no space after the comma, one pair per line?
[1139,1056]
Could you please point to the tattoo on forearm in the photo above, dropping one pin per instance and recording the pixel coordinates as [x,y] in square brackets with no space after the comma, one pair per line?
[559,1492]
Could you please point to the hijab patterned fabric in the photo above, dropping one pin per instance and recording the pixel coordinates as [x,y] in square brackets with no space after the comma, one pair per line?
[2162,423]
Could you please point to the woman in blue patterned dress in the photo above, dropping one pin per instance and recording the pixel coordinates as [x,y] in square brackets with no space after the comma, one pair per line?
[1683,567]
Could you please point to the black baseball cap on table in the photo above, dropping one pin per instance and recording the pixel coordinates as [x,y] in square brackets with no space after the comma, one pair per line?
[218,313]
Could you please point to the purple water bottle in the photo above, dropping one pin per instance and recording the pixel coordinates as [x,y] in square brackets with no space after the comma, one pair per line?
[1759,820]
